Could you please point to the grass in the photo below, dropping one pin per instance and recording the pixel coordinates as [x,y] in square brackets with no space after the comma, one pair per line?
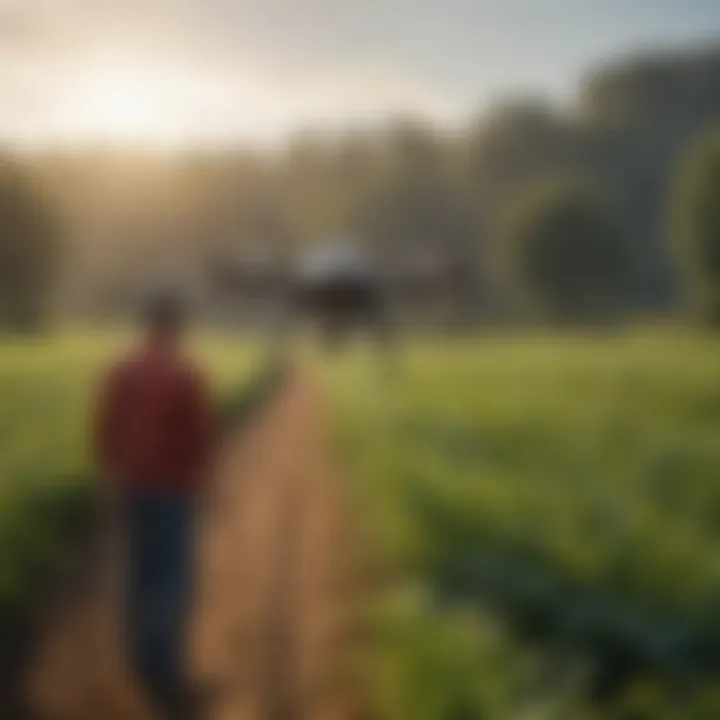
[47,388]
[546,516]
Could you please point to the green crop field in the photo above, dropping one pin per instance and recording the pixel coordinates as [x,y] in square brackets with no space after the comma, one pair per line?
[544,518]
[47,390]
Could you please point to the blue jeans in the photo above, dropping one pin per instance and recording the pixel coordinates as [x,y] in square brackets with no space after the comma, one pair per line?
[159,576]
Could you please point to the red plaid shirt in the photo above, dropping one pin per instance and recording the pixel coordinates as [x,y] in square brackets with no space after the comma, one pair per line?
[155,422]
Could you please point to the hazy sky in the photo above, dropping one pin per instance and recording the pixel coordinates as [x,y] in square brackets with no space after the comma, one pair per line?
[171,70]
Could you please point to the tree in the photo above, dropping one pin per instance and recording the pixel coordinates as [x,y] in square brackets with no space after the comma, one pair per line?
[417,210]
[564,255]
[28,251]
[516,144]
[695,225]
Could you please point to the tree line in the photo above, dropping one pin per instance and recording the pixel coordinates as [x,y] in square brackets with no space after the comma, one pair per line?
[566,216]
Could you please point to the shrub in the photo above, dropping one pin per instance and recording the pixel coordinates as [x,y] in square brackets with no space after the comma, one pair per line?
[695,226]
[563,255]
[28,251]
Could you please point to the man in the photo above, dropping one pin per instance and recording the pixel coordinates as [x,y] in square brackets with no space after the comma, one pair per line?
[154,433]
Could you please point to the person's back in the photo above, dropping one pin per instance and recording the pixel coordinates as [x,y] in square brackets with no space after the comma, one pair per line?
[154,431]
[156,427]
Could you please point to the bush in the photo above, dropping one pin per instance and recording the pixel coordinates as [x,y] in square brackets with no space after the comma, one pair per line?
[563,255]
[695,226]
[28,251]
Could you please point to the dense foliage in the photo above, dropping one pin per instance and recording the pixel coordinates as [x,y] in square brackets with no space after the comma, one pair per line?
[544,513]
[565,254]
[29,250]
[696,226]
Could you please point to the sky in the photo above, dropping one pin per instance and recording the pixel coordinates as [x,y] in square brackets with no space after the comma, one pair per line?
[179,71]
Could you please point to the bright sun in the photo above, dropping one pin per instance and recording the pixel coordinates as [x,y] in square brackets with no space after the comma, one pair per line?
[124,105]
[120,109]
[167,103]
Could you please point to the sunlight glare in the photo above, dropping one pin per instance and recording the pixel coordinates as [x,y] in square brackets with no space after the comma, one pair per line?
[125,105]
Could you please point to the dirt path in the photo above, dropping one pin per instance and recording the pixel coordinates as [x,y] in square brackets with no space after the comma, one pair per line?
[274,588]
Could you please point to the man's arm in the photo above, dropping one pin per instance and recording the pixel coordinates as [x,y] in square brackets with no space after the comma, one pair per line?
[202,426]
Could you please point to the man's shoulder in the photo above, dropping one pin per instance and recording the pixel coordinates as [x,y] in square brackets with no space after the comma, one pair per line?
[143,363]
[191,371]
[182,367]
[122,366]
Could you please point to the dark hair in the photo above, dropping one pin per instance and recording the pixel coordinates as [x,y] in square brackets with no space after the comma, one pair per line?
[165,311]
